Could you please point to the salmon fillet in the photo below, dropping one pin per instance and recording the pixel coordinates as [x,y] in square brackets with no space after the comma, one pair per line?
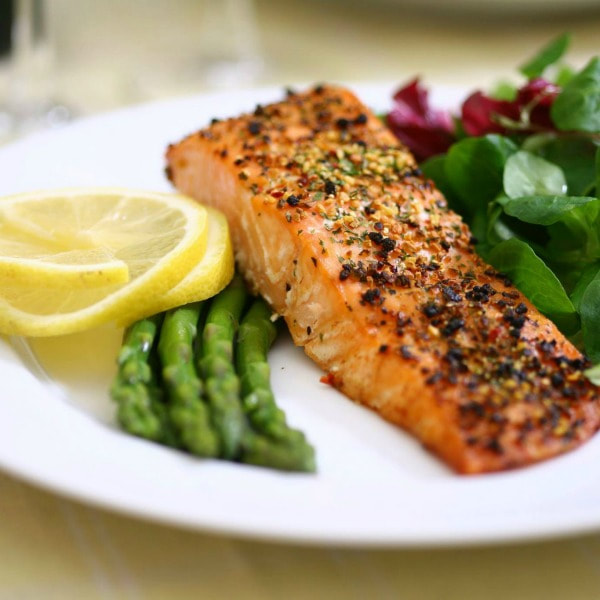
[378,281]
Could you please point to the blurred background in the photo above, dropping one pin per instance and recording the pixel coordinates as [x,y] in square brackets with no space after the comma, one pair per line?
[89,56]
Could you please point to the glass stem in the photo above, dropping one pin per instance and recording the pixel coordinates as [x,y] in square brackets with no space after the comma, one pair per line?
[31,57]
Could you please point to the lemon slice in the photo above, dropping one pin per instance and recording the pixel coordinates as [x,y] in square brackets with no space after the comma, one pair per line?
[51,254]
[81,269]
[158,237]
[207,278]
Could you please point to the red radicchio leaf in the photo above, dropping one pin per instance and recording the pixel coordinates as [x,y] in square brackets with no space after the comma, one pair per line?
[540,94]
[424,130]
[480,113]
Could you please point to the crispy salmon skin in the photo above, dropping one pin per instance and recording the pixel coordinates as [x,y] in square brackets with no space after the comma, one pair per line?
[379,282]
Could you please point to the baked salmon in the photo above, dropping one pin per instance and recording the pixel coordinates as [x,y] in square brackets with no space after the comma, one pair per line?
[378,281]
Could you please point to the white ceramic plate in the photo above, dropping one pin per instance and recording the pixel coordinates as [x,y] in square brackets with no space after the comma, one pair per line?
[375,485]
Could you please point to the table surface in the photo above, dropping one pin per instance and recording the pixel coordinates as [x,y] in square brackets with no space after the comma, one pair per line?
[51,547]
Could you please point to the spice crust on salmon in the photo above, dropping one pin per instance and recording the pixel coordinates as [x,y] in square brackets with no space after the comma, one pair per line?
[378,280]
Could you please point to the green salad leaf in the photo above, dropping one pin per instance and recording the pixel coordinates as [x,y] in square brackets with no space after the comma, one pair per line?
[590,318]
[575,155]
[504,90]
[547,56]
[533,277]
[474,167]
[577,108]
[542,210]
[598,173]
[526,174]
[593,374]
[586,277]
[577,229]
[435,168]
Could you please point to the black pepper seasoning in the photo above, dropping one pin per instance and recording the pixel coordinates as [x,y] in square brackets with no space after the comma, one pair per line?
[254,127]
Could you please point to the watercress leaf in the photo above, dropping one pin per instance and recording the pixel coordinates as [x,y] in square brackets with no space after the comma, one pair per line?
[593,374]
[564,74]
[598,173]
[526,174]
[573,243]
[479,225]
[535,142]
[568,275]
[494,232]
[577,107]
[433,168]
[531,275]
[507,226]
[474,168]
[587,275]
[504,90]
[578,228]
[575,156]
[589,309]
[547,56]
[543,210]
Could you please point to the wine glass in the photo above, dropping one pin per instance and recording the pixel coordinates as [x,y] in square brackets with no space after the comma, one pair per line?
[28,101]
[218,47]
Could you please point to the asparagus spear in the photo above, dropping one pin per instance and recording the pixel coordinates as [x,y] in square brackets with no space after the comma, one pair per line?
[275,443]
[187,411]
[261,451]
[216,367]
[134,389]
[185,419]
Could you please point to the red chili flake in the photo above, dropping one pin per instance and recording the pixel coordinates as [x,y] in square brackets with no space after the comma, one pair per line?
[328,379]
[494,333]
[277,194]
